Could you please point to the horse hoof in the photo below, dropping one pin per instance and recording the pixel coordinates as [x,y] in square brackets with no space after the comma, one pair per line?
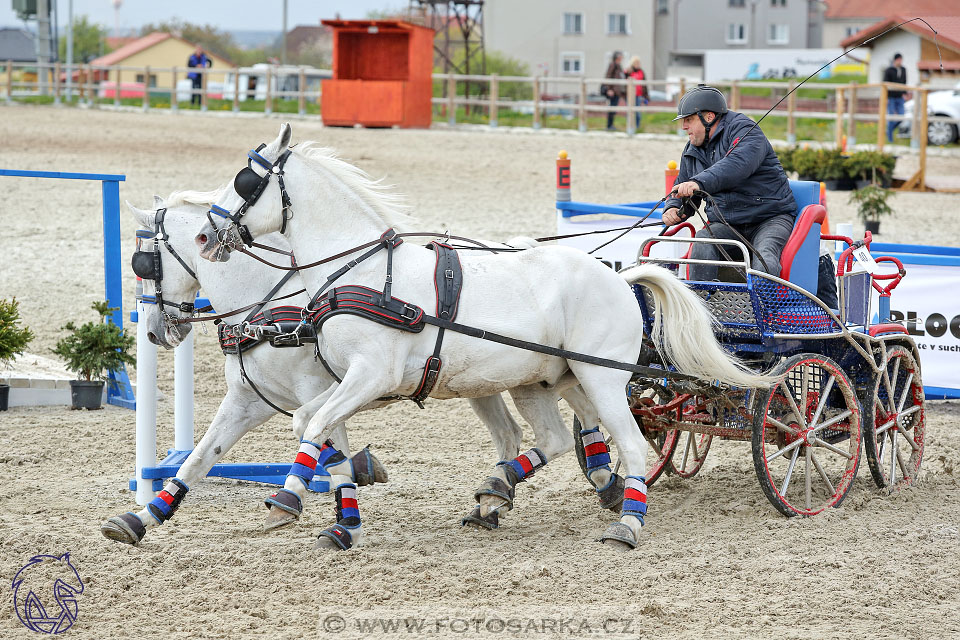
[475,520]
[277,518]
[620,537]
[324,543]
[367,469]
[126,528]
[338,537]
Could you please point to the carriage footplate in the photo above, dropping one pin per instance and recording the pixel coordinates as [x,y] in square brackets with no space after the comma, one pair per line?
[834,436]
[491,521]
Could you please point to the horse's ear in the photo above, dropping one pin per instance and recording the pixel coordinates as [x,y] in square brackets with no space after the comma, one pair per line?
[145,218]
[157,201]
[285,134]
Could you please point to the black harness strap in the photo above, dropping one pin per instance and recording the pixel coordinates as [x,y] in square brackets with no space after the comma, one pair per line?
[246,378]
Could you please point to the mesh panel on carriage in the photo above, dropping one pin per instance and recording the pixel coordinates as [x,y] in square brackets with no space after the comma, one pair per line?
[786,310]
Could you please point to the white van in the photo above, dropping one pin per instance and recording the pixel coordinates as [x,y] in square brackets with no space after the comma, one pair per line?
[253,82]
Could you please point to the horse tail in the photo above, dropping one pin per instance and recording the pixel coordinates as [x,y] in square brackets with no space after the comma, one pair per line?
[683,330]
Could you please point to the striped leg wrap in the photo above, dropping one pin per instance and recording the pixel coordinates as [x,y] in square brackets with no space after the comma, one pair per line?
[526,464]
[595,449]
[309,455]
[635,497]
[165,504]
[348,514]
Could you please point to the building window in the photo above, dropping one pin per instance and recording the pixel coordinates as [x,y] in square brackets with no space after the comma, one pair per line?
[618,23]
[779,34]
[736,33]
[153,80]
[573,23]
[663,7]
[571,63]
[849,31]
[738,3]
[778,3]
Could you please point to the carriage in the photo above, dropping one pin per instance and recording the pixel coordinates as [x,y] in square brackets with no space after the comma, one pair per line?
[846,378]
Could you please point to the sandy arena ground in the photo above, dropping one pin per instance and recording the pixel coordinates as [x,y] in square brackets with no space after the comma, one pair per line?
[718,561]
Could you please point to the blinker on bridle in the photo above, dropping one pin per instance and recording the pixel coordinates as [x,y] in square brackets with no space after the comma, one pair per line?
[249,185]
[148,266]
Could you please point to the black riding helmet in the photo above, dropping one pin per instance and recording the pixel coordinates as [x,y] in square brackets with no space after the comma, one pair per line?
[699,99]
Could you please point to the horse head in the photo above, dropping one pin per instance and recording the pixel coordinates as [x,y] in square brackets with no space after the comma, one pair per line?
[167,270]
[254,206]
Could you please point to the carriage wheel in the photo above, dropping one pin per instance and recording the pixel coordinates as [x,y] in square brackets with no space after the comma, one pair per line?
[894,444]
[807,435]
[660,448]
[690,454]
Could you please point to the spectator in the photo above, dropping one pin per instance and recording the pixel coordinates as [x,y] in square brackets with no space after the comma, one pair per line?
[894,73]
[614,92]
[643,92]
[198,59]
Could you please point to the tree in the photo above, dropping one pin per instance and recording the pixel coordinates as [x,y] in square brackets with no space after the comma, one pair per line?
[89,40]
[207,36]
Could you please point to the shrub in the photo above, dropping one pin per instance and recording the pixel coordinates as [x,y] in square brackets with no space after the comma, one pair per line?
[93,349]
[871,202]
[13,337]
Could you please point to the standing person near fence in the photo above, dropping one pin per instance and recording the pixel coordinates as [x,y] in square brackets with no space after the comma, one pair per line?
[895,73]
[197,59]
[614,92]
[643,93]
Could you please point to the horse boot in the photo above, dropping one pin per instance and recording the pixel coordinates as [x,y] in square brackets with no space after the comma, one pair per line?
[625,533]
[367,469]
[503,488]
[346,532]
[609,485]
[286,505]
[130,528]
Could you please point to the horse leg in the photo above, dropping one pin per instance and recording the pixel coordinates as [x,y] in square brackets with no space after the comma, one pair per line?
[362,384]
[609,485]
[506,435]
[538,406]
[238,414]
[604,388]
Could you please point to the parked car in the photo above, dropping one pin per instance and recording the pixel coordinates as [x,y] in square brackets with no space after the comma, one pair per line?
[939,103]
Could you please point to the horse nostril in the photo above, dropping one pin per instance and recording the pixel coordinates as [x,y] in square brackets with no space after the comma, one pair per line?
[152,337]
[203,238]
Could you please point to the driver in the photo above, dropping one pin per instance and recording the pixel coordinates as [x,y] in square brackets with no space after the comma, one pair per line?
[741,172]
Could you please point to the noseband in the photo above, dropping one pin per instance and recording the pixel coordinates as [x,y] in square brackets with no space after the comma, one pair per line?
[249,185]
[148,266]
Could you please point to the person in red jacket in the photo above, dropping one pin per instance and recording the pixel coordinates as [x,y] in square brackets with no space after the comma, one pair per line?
[643,92]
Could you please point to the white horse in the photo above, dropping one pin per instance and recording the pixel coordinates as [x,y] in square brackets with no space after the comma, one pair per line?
[553,296]
[286,377]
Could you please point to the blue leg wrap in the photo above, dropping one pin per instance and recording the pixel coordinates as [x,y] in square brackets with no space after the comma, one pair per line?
[305,465]
[165,504]
[595,449]
[635,497]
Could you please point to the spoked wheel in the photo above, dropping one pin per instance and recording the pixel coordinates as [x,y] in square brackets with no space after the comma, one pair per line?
[894,444]
[807,435]
[660,448]
[690,454]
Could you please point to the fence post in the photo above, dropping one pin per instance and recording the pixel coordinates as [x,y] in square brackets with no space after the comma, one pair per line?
[922,110]
[582,110]
[268,106]
[631,106]
[536,102]
[56,83]
[915,128]
[451,95]
[683,90]
[882,118]
[9,81]
[203,88]
[494,98]
[116,89]
[174,99]
[236,90]
[838,122]
[301,101]
[791,108]
[735,95]
[146,88]
[852,122]
[86,74]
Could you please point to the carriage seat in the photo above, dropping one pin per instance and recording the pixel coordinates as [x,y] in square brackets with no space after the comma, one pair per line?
[800,260]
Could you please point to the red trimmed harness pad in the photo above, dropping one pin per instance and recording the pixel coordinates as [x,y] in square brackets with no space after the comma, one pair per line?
[370,304]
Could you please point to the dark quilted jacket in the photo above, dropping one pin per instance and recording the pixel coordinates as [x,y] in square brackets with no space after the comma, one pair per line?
[749,185]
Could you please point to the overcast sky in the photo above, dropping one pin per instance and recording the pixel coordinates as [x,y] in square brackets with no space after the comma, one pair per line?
[227,15]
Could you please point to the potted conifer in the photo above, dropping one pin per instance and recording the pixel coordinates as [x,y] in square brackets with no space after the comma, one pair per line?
[90,351]
[871,203]
[13,340]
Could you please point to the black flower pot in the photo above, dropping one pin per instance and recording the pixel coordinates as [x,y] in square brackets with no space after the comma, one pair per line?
[4,396]
[86,394]
[832,185]
[863,183]
[873,226]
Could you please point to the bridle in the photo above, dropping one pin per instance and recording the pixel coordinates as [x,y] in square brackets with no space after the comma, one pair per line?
[250,185]
[148,266]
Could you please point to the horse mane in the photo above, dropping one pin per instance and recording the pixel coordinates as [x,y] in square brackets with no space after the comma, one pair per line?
[389,204]
[203,198]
